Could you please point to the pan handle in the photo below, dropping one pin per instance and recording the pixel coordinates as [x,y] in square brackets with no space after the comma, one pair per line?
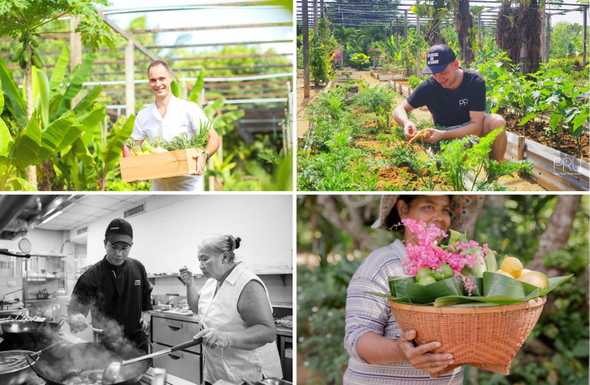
[187,344]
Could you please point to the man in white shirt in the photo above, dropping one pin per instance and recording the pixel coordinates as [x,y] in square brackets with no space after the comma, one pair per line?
[169,117]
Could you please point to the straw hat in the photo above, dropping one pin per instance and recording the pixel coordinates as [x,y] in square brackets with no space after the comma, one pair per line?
[462,208]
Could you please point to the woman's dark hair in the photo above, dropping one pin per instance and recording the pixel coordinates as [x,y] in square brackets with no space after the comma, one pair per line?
[393,221]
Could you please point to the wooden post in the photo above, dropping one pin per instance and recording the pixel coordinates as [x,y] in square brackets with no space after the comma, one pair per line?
[75,50]
[405,23]
[315,15]
[75,43]
[520,147]
[585,51]
[129,78]
[547,39]
[305,50]
[480,30]
[545,36]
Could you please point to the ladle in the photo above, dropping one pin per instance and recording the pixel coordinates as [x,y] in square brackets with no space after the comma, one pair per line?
[112,374]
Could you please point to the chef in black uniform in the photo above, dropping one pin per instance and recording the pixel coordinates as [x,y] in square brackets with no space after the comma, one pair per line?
[456,98]
[116,291]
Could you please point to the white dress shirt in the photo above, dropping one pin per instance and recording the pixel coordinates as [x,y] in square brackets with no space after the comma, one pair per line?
[182,117]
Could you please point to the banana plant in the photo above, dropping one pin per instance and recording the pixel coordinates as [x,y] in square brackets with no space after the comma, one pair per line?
[65,140]
[23,20]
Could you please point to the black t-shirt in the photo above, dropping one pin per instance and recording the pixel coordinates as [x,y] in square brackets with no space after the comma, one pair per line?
[451,107]
[110,292]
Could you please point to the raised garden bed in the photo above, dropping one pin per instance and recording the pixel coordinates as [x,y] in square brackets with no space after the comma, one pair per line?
[552,169]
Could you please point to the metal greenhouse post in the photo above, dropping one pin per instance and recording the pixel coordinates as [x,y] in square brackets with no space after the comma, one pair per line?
[417,48]
[585,51]
[129,78]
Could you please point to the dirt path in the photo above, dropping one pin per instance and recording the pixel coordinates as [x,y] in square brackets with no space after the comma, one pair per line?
[302,124]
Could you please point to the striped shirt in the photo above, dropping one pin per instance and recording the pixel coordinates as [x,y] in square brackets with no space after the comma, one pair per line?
[370,313]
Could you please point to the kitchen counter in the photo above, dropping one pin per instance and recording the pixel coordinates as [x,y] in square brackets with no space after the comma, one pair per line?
[170,314]
[170,379]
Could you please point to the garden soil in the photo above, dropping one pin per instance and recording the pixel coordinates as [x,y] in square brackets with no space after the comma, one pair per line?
[563,142]
[390,178]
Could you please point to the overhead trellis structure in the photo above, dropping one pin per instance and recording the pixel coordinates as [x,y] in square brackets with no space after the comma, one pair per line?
[399,13]
[258,88]
[398,16]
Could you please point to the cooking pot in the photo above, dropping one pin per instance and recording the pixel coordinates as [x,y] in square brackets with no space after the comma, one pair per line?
[15,367]
[58,364]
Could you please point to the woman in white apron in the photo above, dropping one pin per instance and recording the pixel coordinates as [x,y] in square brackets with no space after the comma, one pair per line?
[234,308]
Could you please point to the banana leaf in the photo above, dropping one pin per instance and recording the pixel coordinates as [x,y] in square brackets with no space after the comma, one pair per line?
[79,76]
[60,135]
[5,139]
[175,88]
[495,284]
[553,283]
[27,145]
[502,290]
[88,101]
[407,290]
[92,123]
[454,300]
[16,103]
[1,98]
[59,70]
[41,94]
[196,91]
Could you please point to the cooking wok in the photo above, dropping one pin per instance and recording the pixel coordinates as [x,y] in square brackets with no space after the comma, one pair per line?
[58,364]
[34,327]
[27,334]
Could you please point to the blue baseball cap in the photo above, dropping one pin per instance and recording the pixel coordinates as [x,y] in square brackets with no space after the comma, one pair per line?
[439,56]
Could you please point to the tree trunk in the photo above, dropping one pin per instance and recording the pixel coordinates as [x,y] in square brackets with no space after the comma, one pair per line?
[353,223]
[531,29]
[558,229]
[31,170]
[464,26]
[433,35]
[507,35]
[468,225]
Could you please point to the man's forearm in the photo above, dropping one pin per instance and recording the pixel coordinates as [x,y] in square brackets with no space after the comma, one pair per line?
[470,128]
[213,142]
[400,115]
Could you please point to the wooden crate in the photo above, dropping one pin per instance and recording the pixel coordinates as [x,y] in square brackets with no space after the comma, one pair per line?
[159,165]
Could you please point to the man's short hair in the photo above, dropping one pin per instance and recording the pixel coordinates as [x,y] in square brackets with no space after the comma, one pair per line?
[158,63]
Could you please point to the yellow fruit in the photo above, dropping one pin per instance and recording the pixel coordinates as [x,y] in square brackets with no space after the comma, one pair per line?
[504,273]
[535,278]
[512,266]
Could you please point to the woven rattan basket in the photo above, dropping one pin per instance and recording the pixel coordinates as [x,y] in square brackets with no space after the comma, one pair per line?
[485,337]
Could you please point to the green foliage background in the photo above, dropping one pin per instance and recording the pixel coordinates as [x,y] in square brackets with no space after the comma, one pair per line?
[556,353]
